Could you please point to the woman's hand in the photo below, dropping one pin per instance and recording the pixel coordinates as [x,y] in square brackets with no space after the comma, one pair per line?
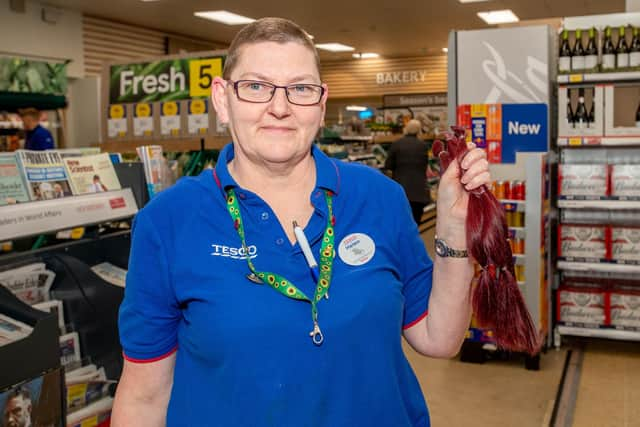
[453,194]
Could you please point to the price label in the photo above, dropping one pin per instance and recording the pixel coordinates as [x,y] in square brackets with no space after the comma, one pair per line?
[575,78]
[575,141]
[201,74]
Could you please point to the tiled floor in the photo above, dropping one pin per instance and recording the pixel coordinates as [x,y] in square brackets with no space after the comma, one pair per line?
[609,392]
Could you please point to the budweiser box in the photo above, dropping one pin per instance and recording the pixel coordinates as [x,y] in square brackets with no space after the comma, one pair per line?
[625,308]
[584,242]
[583,181]
[625,245]
[581,306]
[625,181]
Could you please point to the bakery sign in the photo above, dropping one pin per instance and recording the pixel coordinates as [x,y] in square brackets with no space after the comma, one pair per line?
[401,77]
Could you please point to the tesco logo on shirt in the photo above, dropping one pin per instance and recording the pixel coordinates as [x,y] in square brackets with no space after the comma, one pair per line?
[234,253]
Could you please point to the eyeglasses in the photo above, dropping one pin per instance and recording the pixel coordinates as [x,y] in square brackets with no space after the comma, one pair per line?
[260,92]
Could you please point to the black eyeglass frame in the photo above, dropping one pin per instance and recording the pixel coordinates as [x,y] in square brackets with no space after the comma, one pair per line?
[273,91]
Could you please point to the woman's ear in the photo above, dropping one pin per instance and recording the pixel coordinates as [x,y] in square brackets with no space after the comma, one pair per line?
[219,99]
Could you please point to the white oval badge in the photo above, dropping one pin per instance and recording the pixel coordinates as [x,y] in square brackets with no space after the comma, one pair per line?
[356,249]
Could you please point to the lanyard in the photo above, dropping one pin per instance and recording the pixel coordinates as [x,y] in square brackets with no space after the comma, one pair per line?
[281,284]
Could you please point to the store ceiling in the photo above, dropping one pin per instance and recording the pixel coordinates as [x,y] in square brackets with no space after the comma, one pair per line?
[390,28]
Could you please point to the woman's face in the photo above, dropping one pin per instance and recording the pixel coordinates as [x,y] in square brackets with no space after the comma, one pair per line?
[276,131]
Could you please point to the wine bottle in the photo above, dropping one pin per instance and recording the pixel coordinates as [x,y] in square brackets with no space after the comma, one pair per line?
[577,56]
[622,50]
[564,61]
[608,52]
[570,116]
[591,117]
[591,52]
[581,117]
[634,50]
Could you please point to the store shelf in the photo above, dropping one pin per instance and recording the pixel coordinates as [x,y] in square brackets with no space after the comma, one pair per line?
[614,334]
[599,77]
[599,141]
[598,267]
[513,202]
[599,204]
[28,219]
[518,229]
[187,144]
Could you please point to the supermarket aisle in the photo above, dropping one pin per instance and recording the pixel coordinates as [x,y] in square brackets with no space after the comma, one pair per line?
[609,390]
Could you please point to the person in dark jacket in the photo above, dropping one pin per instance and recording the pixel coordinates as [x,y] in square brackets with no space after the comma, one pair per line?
[408,160]
[36,136]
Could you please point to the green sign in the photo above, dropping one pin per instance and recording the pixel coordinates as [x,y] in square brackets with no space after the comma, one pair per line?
[27,76]
[168,80]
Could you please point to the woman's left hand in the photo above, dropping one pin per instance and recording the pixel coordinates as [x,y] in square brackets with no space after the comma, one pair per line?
[454,187]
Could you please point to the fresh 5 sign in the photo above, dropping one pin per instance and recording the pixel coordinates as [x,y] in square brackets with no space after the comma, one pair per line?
[167,80]
[524,128]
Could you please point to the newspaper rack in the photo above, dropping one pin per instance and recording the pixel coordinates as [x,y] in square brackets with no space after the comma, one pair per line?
[33,355]
[47,216]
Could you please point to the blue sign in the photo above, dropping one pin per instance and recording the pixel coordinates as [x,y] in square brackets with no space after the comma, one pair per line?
[524,128]
[479,131]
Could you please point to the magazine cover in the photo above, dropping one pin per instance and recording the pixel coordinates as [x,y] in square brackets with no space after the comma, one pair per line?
[91,174]
[44,173]
[12,188]
[70,349]
[110,273]
[53,306]
[152,159]
[37,402]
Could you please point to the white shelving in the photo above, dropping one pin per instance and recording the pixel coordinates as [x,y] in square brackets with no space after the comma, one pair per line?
[599,267]
[599,204]
[599,77]
[28,219]
[598,141]
[614,334]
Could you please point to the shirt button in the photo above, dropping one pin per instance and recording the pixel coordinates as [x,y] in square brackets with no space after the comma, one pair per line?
[264,216]
[279,241]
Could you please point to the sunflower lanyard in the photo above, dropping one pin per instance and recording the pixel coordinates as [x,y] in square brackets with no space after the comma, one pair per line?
[279,283]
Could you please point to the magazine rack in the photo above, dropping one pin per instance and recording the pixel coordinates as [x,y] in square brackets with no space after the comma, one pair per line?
[35,354]
[28,219]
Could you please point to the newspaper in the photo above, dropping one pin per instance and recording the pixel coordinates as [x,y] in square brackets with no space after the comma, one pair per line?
[53,306]
[82,393]
[94,414]
[12,330]
[70,349]
[92,174]
[31,287]
[110,273]
[44,173]
[153,161]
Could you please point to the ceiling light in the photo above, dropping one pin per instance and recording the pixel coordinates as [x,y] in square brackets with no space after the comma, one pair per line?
[366,55]
[335,47]
[445,49]
[498,17]
[355,108]
[224,17]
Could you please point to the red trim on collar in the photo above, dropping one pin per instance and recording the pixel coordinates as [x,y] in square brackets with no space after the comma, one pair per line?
[215,176]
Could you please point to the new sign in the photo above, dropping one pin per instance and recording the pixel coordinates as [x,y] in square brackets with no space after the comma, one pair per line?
[165,80]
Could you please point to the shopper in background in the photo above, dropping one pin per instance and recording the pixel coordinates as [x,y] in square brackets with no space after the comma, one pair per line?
[408,160]
[224,322]
[37,137]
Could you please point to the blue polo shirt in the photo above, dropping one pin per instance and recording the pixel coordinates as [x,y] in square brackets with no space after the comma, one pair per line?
[38,139]
[244,354]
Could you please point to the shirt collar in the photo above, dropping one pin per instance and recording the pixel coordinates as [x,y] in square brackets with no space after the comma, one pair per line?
[327,175]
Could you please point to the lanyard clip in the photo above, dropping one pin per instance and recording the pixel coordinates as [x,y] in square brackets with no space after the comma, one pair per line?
[316,334]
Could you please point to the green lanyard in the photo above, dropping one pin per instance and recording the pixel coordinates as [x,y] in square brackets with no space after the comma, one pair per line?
[281,284]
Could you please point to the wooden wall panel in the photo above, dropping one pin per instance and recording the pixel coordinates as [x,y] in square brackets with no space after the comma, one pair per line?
[356,78]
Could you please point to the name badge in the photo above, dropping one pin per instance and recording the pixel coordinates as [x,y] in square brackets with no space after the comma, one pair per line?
[356,249]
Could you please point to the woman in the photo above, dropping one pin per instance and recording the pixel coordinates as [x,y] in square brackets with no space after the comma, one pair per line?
[212,338]
[408,160]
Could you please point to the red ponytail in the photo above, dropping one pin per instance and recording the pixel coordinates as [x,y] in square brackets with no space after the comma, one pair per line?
[497,301]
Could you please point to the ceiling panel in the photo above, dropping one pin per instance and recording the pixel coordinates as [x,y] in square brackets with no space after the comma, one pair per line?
[400,28]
